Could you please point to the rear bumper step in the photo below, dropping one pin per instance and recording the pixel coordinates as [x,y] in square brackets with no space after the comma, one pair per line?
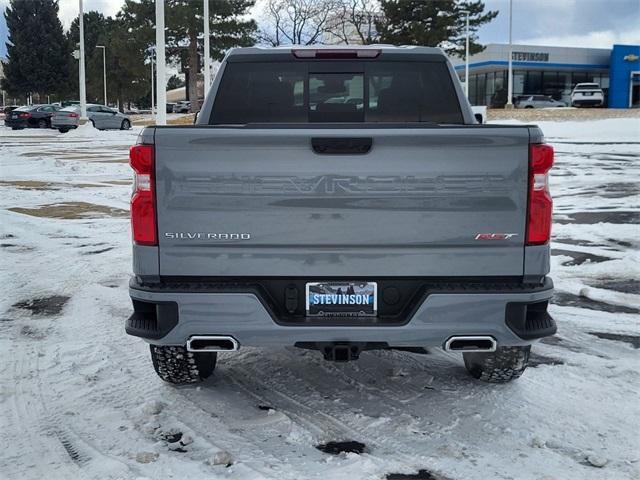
[530,321]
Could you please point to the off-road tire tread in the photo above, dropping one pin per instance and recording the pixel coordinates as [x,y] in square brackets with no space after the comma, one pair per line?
[501,366]
[174,364]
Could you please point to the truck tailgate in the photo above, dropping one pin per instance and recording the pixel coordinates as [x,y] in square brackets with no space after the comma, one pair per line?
[259,202]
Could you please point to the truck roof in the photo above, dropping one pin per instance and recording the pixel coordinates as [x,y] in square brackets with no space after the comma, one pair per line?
[384,49]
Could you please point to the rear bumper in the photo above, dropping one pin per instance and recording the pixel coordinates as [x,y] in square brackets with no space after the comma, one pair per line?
[588,102]
[16,123]
[169,314]
[64,123]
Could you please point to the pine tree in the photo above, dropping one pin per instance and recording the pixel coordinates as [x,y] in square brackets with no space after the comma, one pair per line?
[184,27]
[95,32]
[37,53]
[174,82]
[433,23]
[128,78]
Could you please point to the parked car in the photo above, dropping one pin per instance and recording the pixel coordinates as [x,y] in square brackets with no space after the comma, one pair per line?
[183,106]
[31,116]
[539,101]
[66,118]
[6,110]
[9,108]
[587,94]
[338,229]
[170,107]
[101,117]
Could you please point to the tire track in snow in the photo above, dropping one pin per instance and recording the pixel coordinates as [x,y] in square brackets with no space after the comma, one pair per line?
[224,438]
[79,449]
[285,397]
[28,427]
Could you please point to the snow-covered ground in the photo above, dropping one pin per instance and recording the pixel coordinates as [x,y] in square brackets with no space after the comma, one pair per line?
[79,398]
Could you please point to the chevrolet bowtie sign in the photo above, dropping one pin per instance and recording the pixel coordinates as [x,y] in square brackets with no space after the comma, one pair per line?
[632,57]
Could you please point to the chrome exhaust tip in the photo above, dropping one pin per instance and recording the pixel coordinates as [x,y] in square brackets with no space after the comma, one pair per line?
[212,343]
[471,343]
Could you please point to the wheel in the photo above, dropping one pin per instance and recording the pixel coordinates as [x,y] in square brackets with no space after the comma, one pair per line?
[175,365]
[501,366]
[42,123]
[126,125]
[529,106]
[63,130]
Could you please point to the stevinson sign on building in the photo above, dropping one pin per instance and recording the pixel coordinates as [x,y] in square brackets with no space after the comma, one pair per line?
[541,70]
[530,56]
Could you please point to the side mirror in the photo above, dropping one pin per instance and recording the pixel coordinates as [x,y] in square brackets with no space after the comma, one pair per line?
[479,117]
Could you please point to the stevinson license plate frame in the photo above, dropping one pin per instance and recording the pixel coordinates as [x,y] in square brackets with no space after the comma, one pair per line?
[342,299]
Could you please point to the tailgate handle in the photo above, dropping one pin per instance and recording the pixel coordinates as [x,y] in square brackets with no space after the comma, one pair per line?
[341,146]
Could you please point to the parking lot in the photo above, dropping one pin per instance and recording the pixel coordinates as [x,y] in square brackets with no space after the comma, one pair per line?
[81,400]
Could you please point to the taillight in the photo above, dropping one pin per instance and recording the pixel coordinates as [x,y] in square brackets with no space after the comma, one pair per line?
[25,115]
[540,202]
[143,202]
[73,115]
[336,53]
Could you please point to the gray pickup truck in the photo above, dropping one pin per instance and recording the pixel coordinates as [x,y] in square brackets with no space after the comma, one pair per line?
[340,200]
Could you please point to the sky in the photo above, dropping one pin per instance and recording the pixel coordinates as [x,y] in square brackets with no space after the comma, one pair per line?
[566,23]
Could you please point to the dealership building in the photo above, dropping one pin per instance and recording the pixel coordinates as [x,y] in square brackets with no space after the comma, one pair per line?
[553,71]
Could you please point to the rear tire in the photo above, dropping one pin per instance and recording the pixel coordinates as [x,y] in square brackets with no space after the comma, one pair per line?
[126,125]
[42,123]
[63,130]
[176,365]
[501,366]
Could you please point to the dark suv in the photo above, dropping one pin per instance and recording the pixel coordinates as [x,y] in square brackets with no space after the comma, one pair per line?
[37,116]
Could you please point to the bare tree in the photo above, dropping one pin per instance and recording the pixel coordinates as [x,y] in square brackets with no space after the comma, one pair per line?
[356,22]
[297,22]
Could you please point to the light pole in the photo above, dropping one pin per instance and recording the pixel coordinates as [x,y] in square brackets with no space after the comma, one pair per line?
[81,80]
[466,57]
[161,78]
[207,57]
[510,72]
[152,88]
[104,71]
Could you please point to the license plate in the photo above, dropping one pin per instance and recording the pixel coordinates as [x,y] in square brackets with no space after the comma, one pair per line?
[587,94]
[342,299]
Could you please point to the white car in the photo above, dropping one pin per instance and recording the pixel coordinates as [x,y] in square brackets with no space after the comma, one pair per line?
[539,101]
[587,94]
[101,117]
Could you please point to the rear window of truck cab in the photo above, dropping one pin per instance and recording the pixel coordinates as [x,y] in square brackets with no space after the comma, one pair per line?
[336,92]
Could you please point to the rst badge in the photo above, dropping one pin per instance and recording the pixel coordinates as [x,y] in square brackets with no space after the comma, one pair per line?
[495,236]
